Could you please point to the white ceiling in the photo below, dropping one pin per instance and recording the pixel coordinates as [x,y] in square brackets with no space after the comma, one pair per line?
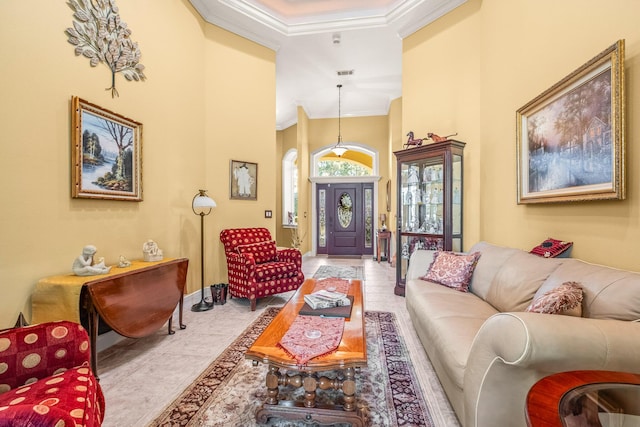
[314,39]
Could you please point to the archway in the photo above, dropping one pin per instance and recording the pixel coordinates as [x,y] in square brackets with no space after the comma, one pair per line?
[361,153]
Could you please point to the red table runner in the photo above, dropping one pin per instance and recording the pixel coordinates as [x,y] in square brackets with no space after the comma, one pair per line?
[312,336]
[333,284]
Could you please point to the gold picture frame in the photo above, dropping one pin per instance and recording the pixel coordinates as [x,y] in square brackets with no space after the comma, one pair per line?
[243,180]
[570,139]
[106,154]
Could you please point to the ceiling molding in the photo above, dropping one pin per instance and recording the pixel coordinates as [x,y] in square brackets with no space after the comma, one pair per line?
[307,56]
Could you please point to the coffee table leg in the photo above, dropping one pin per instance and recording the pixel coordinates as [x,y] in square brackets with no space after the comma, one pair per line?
[349,389]
[310,383]
[273,381]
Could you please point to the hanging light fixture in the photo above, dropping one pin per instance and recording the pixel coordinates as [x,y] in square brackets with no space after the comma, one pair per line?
[339,149]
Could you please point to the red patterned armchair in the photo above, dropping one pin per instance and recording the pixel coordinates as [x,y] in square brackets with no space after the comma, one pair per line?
[256,267]
[45,378]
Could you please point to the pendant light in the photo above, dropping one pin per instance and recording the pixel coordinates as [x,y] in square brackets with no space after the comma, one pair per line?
[339,149]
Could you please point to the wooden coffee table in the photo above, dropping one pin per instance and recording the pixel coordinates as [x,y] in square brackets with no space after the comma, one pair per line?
[343,363]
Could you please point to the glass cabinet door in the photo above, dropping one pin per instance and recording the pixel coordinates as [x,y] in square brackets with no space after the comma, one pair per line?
[456,203]
[429,202]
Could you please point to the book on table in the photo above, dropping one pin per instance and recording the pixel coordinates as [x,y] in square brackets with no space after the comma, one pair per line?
[326,299]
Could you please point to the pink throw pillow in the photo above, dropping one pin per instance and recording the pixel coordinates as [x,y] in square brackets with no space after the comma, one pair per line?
[560,300]
[262,251]
[452,270]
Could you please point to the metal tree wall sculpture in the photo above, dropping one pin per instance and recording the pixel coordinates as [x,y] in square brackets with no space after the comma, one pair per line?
[99,34]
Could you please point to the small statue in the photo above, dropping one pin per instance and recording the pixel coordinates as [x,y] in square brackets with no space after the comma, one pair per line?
[151,251]
[413,141]
[437,138]
[124,262]
[84,266]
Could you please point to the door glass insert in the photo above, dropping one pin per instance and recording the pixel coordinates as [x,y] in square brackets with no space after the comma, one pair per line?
[368,217]
[322,234]
[345,210]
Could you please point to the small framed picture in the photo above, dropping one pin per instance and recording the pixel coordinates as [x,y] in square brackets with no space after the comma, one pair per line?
[243,180]
[106,154]
[570,139]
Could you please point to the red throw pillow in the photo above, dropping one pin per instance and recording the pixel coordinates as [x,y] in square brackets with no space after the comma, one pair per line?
[558,300]
[452,270]
[262,251]
[551,248]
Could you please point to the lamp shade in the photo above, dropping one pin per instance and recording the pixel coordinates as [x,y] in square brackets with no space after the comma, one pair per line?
[339,150]
[204,202]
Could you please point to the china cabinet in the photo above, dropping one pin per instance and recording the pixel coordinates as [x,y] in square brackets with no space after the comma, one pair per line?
[429,204]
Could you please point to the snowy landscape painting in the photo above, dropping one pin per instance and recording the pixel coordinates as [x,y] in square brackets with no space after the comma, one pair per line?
[570,138]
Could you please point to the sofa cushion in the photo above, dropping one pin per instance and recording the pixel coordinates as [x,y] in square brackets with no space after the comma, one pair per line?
[419,264]
[262,251]
[69,398]
[552,248]
[517,281]
[609,293]
[452,269]
[492,258]
[566,298]
[275,270]
[453,320]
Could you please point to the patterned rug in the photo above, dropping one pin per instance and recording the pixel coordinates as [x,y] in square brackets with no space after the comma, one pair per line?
[230,390]
[346,272]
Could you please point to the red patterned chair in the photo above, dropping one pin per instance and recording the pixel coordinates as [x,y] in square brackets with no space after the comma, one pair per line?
[45,378]
[256,267]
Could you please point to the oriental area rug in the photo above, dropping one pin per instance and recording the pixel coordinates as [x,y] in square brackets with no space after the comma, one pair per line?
[229,392]
[342,272]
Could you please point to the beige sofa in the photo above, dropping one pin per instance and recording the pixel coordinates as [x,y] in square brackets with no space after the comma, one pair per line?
[488,352]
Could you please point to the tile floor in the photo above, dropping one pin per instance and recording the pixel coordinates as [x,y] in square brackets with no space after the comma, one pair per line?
[141,377]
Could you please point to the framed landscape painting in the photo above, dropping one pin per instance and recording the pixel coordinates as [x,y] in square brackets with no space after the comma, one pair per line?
[106,154]
[243,180]
[570,139]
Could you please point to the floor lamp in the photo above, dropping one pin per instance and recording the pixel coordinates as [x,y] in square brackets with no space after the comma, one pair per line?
[202,205]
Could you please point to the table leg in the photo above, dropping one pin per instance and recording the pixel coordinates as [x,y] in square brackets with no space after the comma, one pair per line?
[308,411]
[273,382]
[93,336]
[310,384]
[349,389]
[182,325]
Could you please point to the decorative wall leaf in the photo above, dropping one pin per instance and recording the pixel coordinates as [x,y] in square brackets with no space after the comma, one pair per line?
[100,34]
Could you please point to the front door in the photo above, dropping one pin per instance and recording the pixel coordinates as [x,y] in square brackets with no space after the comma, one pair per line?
[344,213]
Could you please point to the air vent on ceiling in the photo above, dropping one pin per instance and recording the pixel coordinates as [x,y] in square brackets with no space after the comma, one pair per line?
[345,73]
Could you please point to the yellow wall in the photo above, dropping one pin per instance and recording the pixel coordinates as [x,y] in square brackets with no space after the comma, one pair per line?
[304,186]
[472,69]
[396,139]
[194,116]
[441,94]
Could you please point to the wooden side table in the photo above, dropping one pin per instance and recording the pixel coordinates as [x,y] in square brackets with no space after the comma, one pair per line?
[134,301]
[384,236]
[584,398]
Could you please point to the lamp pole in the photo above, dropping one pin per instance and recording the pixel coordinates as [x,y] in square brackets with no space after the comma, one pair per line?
[202,201]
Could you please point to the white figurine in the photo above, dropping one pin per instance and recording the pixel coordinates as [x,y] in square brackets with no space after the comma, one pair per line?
[84,266]
[124,262]
[151,251]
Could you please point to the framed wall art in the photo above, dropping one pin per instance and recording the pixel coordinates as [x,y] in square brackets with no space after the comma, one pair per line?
[106,154]
[570,139]
[243,180]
